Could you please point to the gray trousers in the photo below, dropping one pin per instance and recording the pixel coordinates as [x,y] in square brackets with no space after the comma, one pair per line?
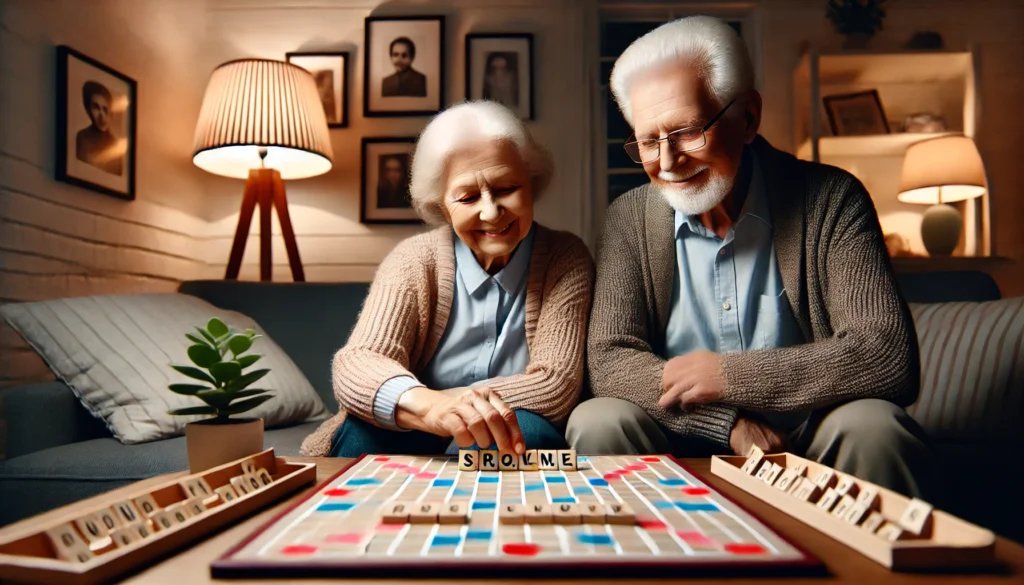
[873,440]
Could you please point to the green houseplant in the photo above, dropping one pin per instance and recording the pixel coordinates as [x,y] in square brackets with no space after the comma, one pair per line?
[218,361]
[858,20]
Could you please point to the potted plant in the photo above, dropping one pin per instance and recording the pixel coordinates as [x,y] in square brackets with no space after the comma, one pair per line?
[217,355]
[858,20]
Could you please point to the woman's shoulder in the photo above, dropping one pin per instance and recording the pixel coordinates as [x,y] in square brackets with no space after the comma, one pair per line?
[415,252]
[565,246]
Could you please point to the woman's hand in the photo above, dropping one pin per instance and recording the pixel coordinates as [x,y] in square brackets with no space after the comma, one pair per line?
[471,416]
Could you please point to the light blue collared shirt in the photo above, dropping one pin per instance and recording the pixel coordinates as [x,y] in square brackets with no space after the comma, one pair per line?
[728,294]
[485,336]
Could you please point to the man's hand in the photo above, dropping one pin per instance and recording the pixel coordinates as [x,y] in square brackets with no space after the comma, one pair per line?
[692,379]
[472,416]
[749,432]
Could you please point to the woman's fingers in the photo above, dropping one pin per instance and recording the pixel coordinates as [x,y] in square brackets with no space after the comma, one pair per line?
[475,422]
[508,416]
[457,428]
[495,424]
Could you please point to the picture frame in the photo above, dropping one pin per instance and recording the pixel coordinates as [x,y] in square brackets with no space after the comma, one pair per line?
[330,71]
[95,146]
[856,114]
[404,66]
[384,185]
[499,67]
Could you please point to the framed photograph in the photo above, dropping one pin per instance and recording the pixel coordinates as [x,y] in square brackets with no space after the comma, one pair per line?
[403,72]
[856,114]
[499,67]
[330,70]
[387,162]
[96,111]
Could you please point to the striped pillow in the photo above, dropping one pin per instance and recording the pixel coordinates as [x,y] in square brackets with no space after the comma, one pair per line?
[972,369]
[115,351]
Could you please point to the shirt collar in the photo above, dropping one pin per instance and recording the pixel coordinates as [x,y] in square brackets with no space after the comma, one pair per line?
[755,206]
[509,278]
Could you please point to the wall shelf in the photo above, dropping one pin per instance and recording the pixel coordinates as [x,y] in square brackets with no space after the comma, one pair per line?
[874,145]
[946,263]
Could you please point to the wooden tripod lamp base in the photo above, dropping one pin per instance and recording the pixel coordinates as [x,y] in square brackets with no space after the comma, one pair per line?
[265,187]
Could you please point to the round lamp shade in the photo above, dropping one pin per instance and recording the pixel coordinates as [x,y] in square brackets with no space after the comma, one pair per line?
[256,104]
[942,170]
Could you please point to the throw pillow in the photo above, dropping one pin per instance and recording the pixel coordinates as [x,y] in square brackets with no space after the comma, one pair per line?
[972,369]
[115,352]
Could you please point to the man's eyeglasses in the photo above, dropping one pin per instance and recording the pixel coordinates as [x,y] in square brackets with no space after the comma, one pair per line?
[682,140]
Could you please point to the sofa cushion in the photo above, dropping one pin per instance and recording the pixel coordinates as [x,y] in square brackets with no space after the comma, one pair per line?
[972,369]
[115,351]
[46,479]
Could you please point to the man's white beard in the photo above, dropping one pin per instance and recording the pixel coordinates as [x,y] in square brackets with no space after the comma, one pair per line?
[694,200]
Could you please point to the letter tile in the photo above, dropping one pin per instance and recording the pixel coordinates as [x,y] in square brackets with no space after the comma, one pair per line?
[468,460]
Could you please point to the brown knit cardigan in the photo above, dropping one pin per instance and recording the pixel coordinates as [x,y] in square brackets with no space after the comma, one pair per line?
[859,334]
[407,308]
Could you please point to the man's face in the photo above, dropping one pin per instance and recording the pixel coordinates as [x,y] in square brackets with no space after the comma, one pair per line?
[99,112]
[401,56]
[393,171]
[674,97]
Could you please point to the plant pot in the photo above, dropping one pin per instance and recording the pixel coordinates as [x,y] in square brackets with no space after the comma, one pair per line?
[211,442]
[856,41]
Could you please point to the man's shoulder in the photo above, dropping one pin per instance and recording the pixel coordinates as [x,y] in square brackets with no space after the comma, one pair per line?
[631,205]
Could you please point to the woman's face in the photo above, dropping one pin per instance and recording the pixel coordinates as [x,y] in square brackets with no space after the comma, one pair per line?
[488,199]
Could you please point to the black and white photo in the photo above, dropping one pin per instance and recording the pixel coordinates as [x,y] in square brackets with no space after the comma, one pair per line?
[96,111]
[499,67]
[385,180]
[404,66]
[330,71]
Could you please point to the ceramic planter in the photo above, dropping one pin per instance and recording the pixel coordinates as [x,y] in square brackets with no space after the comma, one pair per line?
[211,443]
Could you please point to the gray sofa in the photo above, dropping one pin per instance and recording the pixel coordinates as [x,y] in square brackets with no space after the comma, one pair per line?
[59,454]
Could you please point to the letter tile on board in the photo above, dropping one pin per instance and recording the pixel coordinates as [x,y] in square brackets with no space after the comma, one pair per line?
[423,513]
[592,513]
[548,459]
[538,514]
[915,516]
[566,513]
[453,513]
[528,461]
[508,462]
[489,460]
[512,514]
[397,513]
[468,460]
[147,505]
[567,459]
[619,513]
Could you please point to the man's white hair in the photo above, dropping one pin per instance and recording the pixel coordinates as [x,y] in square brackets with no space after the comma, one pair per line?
[704,42]
[462,126]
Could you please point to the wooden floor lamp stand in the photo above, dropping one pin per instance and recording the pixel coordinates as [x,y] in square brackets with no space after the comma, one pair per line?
[264,186]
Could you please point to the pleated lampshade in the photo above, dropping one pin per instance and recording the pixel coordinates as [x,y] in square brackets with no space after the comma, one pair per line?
[255,104]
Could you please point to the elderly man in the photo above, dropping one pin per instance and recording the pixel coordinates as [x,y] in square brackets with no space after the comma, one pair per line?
[743,297]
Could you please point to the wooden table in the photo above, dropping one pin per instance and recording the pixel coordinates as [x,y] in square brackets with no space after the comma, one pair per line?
[192,566]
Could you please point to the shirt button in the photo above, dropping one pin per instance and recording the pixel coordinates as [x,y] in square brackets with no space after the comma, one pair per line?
[726,306]
[721,252]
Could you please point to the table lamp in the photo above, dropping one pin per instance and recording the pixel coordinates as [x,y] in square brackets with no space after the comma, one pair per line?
[937,172]
[262,121]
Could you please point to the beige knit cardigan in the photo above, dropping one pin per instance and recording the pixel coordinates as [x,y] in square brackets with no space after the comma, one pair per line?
[407,309]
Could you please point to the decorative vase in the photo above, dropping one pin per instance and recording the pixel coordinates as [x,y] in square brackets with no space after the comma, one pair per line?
[211,442]
[940,229]
[856,41]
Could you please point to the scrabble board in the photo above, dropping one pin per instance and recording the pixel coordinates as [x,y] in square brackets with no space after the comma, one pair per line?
[422,516]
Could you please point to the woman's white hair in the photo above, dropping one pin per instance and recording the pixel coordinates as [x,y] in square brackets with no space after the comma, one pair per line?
[704,42]
[459,127]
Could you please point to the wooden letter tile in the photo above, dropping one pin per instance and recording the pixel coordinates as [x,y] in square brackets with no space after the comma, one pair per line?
[567,513]
[868,496]
[423,513]
[592,513]
[890,532]
[857,513]
[469,460]
[109,519]
[453,513]
[147,505]
[179,512]
[873,522]
[567,459]
[844,505]
[847,486]
[164,520]
[92,528]
[786,480]
[773,474]
[241,485]
[764,470]
[916,516]
[195,506]
[538,513]
[529,460]
[808,491]
[226,493]
[619,513]
[253,481]
[249,467]
[800,469]
[488,460]
[126,512]
[196,487]
[125,536]
[512,514]
[67,542]
[548,459]
[264,476]
[825,479]
[754,457]
[508,462]
[828,500]
[396,513]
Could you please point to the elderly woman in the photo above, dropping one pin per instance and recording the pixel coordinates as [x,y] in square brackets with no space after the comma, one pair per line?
[473,333]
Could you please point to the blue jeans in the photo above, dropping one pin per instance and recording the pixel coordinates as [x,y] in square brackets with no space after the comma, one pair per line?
[356,436]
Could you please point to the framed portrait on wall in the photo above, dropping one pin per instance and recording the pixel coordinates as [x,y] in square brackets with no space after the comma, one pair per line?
[384,196]
[330,70]
[403,71]
[95,115]
[499,67]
